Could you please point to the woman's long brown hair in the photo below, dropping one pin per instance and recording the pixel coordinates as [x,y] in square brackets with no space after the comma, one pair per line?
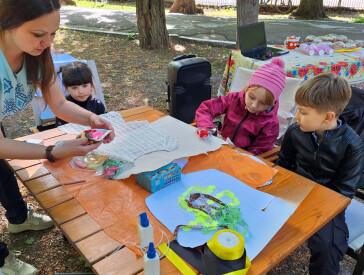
[14,13]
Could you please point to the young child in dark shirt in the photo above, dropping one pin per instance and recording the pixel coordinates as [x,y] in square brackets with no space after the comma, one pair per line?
[77,80]
[321,146]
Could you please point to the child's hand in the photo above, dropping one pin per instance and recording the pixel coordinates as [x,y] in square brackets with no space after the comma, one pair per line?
[74,147]
[96,122]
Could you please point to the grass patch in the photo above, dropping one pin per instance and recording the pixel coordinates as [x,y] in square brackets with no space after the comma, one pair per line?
[359,20]
[128,6]
[229,12]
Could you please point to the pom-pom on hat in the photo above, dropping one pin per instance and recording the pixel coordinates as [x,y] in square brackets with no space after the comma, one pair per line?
[270,76]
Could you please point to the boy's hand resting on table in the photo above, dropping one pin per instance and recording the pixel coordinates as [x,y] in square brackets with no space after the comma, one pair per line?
[97,122]
[74,147]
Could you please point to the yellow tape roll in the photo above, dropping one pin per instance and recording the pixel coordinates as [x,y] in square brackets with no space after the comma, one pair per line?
[227,244]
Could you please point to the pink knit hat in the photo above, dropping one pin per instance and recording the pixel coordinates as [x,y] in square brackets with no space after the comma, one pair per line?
[270,76]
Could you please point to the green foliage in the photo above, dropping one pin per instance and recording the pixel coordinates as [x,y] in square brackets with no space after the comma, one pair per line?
[359,20]
[123,6]
[131,36]
[30,241]
[82,260]
[228,12]
[104,5]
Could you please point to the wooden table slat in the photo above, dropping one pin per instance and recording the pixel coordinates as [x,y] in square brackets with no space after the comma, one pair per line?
[43,135]
[53,140]
[32,172]
[53,197]
[18,164]
[66,211]
[80,227]
[97,246]
[137,110]
[41,184]
[145,116]
[123,262]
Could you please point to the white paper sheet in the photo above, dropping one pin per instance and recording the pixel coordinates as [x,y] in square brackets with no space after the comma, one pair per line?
[135,139]
[113,117]
[189,145]
[132,139]
[263,225]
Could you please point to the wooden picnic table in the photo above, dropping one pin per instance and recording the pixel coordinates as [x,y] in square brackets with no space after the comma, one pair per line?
[89,239]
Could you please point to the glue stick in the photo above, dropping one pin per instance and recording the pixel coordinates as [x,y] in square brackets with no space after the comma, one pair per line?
[145,230]
[151,261]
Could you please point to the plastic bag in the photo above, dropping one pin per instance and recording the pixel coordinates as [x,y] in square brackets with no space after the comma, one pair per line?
[89,162]
[102,165]
[112,168]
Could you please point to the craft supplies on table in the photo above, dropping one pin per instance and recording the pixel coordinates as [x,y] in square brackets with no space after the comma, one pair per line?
[205,132]
[152,264]
[145,230]
[263,225]
[225,253]
[94,135]
[150,146]
[102,165]
[160,178]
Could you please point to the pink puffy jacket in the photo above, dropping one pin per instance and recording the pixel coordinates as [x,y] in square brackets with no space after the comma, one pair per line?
[255,133]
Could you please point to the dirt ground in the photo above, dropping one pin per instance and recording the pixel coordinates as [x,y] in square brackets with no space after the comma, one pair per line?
[130,77]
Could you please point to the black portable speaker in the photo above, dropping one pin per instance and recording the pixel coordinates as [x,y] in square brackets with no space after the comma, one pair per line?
[188,85]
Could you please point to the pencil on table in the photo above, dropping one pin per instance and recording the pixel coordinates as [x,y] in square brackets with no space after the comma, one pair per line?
[72,182]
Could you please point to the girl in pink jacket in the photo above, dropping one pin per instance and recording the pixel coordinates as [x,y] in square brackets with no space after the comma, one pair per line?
[250,121]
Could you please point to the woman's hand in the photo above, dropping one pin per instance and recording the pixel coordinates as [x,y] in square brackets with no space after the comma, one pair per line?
[74,147]
[100,123]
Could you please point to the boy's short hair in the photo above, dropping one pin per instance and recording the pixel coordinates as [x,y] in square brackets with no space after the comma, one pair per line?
[325,92]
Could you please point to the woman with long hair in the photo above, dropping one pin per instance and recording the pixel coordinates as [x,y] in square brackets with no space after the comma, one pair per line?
[27,29]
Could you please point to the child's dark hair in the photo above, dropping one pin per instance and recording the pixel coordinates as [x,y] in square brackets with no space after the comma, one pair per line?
[14,13]
[325,92]
[76,73]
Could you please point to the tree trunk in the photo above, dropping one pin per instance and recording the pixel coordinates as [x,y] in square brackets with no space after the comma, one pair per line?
[311,9]
[247,12]
[151,21]
[185,7]
[67,3]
